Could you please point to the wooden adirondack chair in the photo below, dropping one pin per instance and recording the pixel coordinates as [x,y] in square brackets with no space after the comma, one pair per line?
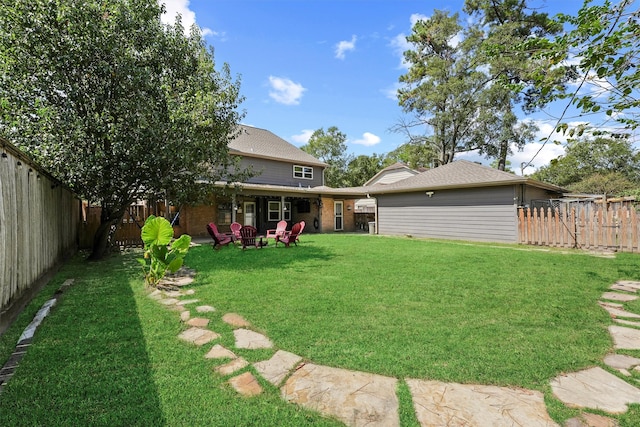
[290,236]
[302,224]
[249,237]
[281,227]
[219,239]
[235,229]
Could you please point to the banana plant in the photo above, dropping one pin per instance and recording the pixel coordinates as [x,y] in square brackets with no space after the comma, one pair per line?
[161,255]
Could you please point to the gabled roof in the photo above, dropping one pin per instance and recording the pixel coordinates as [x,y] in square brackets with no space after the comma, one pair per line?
[256,142]
[459,174]
[393,167]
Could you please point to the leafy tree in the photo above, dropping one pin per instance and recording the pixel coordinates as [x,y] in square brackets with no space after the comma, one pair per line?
[450,85]
[362,168]
[603,40]
[114,103]
[585,158]
[416,154]
[611,184]
[331,148]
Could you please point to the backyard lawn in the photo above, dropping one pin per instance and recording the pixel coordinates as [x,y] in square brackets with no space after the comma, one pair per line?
[407,308]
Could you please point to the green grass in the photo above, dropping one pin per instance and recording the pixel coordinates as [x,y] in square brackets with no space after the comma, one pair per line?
[407,308]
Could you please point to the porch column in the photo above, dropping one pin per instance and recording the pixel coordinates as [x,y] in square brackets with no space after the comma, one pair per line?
[234,207]
[282,210]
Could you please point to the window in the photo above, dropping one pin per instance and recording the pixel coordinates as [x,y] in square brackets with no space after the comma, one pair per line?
[224,213]
[303,172]
[274,211]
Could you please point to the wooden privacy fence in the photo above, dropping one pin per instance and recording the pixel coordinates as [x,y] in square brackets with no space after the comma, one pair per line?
[597,228]
[39,223]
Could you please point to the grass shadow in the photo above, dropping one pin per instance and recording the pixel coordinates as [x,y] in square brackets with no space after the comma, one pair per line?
[88,364]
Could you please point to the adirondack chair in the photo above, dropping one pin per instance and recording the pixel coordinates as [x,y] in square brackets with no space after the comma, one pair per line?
[290,236]
[235,229]
[302,224]
[281,227]
[219,239]
[249,237]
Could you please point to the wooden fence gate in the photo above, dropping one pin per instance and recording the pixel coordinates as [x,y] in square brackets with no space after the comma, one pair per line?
[594,228]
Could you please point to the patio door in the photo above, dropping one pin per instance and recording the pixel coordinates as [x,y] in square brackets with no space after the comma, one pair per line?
[338,215]
[250,213]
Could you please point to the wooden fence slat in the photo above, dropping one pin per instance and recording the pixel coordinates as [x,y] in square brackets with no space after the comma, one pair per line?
[595,228]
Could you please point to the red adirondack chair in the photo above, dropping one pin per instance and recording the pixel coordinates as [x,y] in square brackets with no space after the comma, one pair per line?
[249,237]
[235,229]
[219,239]
[290,236]
[281,227]
[302,224]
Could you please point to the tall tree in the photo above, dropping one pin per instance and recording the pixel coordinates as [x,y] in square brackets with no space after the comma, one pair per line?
[416,154]
[450,85]
[587,157]
[362,168]
[331,148]
[112,102]
[441,85]
[599,54]
[507,23]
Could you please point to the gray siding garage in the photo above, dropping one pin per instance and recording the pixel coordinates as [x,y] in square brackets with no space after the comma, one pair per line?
[461,201]
[479,214]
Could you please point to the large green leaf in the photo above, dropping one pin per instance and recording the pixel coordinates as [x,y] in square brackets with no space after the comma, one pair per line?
[157,231]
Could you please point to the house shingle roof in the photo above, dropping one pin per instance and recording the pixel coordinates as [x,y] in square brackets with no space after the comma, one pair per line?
[459,174]
[256,142]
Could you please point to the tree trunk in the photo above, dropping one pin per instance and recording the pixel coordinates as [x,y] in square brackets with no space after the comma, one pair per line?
[108,218]
[502,155]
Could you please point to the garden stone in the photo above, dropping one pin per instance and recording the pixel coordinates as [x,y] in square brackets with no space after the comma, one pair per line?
[278,367]
[625,338]
[251,340]
[198,336]
[591,420]
[168,301]
[595,388]
[612,304]
[173,294]
[205,309]
[187,301]
[156,294]
[621,361]
[626,285]
[219,352]
[617,296]
[185,315]
[198,322]
[627,322]
[235,320]
[246,384]
[190,292]
[616,312]
[231,367]
[443,404]
[355,398]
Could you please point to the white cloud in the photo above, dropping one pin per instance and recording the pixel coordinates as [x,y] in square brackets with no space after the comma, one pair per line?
[368,140]
[391,92]
[345,46]
[415,17]
[285,91]
[181,7]
[302,138]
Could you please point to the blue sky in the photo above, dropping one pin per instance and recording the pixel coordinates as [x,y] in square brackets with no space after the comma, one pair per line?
[310,64]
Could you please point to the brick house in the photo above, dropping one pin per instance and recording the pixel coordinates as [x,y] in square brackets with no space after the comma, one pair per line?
[288,184]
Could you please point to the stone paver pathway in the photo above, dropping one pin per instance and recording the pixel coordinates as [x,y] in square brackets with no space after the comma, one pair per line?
[366,399]
[449,404]
[356,398]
